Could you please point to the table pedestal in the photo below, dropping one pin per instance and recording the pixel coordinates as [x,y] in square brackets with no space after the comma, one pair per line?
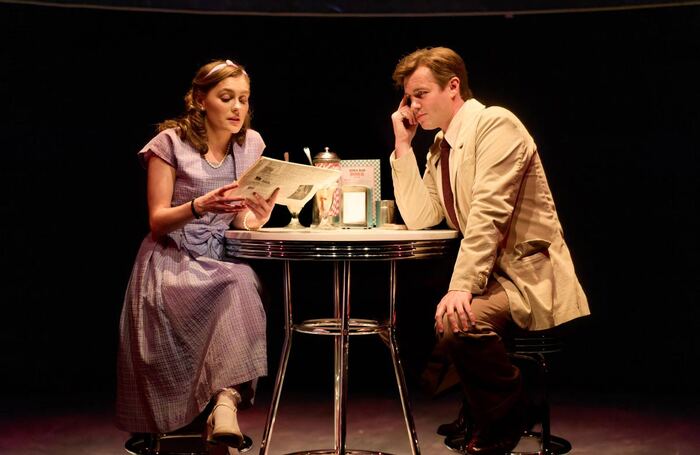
[341,327]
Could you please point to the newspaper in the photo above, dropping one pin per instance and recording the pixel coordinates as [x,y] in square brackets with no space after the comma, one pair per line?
[297,182]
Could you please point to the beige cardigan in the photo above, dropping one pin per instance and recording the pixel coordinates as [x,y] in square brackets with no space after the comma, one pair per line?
[509,225]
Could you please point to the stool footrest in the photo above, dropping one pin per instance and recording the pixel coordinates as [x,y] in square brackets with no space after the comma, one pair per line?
[332,327]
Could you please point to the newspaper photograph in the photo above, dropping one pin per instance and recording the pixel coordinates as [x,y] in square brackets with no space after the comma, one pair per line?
[297,182]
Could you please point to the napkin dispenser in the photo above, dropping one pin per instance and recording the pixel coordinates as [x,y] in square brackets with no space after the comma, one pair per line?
[356,207]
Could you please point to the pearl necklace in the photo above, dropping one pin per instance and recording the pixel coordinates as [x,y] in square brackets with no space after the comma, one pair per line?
[218,165]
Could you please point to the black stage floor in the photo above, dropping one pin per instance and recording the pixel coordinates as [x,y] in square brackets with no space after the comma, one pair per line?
[594,422]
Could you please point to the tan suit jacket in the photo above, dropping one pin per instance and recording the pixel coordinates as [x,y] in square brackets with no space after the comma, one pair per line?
[506,214]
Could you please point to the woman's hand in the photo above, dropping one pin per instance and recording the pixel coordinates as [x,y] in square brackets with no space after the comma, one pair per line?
[405,127]
[218,201]
[260,210]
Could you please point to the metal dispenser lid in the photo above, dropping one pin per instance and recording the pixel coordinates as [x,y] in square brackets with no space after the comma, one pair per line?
[326,157]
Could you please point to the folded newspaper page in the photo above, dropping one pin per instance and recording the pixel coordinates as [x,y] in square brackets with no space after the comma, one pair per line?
[297,182]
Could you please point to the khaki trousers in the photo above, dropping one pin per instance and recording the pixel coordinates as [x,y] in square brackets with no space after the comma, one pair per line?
[491,383]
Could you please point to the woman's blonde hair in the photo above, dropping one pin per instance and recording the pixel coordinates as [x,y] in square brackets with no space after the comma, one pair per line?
[190,125]
[443,62]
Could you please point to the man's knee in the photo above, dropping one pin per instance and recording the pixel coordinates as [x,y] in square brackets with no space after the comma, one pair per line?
[449,337]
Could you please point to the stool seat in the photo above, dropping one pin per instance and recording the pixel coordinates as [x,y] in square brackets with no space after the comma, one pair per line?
[538,343]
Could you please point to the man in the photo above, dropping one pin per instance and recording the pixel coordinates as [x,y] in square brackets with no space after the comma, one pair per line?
[513,270]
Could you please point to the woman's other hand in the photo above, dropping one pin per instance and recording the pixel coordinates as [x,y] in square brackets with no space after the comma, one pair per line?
[260,209]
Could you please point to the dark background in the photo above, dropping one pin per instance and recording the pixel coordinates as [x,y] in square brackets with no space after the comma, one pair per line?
[611,98]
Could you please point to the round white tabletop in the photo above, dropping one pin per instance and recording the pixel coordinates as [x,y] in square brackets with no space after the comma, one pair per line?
[338,244]
[343,235]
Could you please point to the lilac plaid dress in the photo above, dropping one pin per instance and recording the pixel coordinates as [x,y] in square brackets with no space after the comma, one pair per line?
[191,323]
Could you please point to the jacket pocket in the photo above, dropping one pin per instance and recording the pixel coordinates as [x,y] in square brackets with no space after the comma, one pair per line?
[531,251]
[530,269]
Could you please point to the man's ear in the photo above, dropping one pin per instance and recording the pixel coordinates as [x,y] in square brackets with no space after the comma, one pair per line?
[453,84]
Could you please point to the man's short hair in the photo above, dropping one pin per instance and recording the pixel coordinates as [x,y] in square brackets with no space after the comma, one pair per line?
[443,62]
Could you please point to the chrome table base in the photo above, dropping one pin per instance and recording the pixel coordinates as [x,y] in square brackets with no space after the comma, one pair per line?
[341,327]
[333,452]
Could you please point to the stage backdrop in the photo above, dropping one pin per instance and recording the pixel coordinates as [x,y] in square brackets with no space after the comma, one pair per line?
[610,97]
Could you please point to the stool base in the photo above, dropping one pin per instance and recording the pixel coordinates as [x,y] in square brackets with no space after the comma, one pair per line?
[530,444]
[174,444]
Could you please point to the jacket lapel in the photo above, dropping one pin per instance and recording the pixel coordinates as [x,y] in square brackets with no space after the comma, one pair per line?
[461,134]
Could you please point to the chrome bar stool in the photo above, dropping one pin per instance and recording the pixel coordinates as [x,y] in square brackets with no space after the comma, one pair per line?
[189,441]
[529,351]
[533,349]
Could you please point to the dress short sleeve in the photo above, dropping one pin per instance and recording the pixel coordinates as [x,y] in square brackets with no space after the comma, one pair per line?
[254,142]
[163,146]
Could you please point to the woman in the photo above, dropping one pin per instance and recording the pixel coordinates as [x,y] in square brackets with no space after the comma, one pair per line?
[193,327]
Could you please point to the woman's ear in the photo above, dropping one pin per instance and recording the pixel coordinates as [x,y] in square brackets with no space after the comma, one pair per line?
[198,100]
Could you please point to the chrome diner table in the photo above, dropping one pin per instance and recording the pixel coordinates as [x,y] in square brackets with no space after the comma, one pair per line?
[341,247]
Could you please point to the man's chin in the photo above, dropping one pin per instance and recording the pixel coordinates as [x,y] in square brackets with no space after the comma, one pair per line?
[427,126]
